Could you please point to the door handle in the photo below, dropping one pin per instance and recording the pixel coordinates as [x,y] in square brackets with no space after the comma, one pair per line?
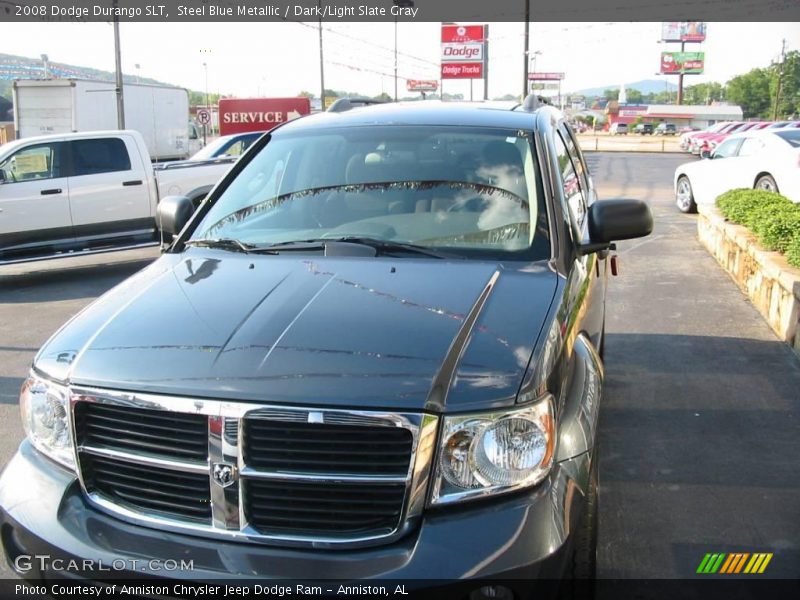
[134,182]
[50,192]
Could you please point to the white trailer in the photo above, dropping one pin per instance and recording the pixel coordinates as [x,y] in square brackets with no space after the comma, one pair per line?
[56,106]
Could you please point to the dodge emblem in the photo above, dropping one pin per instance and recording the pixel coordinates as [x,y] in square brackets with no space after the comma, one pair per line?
[224,474]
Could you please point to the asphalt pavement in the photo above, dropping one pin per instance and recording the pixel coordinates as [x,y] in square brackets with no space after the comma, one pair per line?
[698,431]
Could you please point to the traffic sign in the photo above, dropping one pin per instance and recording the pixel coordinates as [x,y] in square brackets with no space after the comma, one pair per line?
[204,116]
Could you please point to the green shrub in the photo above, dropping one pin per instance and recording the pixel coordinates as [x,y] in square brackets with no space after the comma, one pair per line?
[793,250]
[774,219]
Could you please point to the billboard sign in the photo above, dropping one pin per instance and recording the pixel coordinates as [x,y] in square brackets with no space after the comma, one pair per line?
[422,85]
[461,34]
[462,70]
[545,76]
[239,115]
[691,63]
[462,52]
[683,31]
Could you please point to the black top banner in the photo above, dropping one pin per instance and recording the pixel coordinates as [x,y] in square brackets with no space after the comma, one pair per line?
[400,10]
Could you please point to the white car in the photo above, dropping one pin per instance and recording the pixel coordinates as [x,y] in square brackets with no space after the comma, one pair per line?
[766,159]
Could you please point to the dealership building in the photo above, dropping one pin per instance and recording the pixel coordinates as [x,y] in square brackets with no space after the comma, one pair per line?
[700,116]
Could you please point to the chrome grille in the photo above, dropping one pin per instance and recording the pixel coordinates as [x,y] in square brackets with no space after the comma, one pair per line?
[280,475]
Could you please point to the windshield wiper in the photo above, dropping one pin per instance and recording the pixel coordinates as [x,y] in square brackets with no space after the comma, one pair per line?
[223,243]
[388,246]
[380,246]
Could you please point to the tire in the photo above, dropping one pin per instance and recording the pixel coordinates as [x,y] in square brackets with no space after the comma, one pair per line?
[684,198]
[582,563]
[766,183]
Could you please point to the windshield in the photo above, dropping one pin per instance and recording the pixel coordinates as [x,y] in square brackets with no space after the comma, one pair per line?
[229,145]
[467,190]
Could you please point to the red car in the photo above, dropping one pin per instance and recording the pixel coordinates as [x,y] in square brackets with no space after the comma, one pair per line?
[697,140]
[712,141]
[687,137]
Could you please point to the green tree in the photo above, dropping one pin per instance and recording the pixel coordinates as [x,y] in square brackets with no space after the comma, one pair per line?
[789,101]
[305,94]
[384,97]
[634,96]
[752,92]
[611,94]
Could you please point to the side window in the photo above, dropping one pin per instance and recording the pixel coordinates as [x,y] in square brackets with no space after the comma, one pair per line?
[727,149]
[573,192]
[42,161]
[100,155]
[751,146]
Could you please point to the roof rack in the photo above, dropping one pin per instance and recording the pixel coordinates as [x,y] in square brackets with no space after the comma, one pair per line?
[345,104]
[532,102]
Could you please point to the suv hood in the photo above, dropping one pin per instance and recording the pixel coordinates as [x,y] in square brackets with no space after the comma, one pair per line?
[311,330]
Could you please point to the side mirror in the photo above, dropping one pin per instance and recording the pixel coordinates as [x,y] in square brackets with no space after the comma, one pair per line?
[614,220]
[706,154]
[2,176]
[173,213]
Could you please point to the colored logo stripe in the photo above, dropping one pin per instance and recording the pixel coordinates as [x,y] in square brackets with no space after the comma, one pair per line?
[733,563]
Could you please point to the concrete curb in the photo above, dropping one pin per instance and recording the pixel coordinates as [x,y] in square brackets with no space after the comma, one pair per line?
[770,282]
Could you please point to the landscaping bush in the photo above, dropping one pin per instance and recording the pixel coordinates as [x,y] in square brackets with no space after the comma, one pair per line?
[774,219]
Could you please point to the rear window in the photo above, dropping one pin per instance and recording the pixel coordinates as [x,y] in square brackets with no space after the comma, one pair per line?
[790,136]
[100,155]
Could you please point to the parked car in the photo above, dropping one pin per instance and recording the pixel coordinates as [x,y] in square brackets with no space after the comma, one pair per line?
[618,129]
[666,129]
[698,140]
[765,159]
[687,137]
[85,192]
[710,142]
[373,352]
[644,129]
[225,149]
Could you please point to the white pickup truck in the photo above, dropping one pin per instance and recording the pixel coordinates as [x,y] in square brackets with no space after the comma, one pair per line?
[88,192]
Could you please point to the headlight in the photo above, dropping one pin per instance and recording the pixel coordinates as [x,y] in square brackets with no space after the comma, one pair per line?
[493,453]
[45,409]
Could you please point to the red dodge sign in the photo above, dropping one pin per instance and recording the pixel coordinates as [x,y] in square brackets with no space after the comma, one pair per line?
[461,33]
[238,115]
[462,70]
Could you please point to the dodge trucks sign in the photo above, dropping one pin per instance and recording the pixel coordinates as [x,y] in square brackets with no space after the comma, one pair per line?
[463,51]
[239,115]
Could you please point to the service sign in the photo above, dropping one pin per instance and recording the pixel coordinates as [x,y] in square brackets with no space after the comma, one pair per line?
[422,85]
[462,52]
[682,62]
[683,31]
[462,70]
[239,115]
[460,34]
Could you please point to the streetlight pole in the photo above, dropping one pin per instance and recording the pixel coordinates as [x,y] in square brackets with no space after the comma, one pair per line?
[137,65]
[401,4]
[321,65]
[525,53]
[208,107]
[118,64]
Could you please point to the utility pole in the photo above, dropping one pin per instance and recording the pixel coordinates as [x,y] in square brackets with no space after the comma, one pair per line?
[118,61]
[780,80]
[525,53]
[321,67]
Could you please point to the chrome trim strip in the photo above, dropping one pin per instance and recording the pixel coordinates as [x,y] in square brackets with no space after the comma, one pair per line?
[142,459]
[224,500]
[251,473]
[229,519]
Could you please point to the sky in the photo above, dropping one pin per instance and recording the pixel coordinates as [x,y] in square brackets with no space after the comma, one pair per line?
[281,59]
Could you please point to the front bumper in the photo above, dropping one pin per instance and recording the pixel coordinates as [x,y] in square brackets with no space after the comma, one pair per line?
[522,536]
